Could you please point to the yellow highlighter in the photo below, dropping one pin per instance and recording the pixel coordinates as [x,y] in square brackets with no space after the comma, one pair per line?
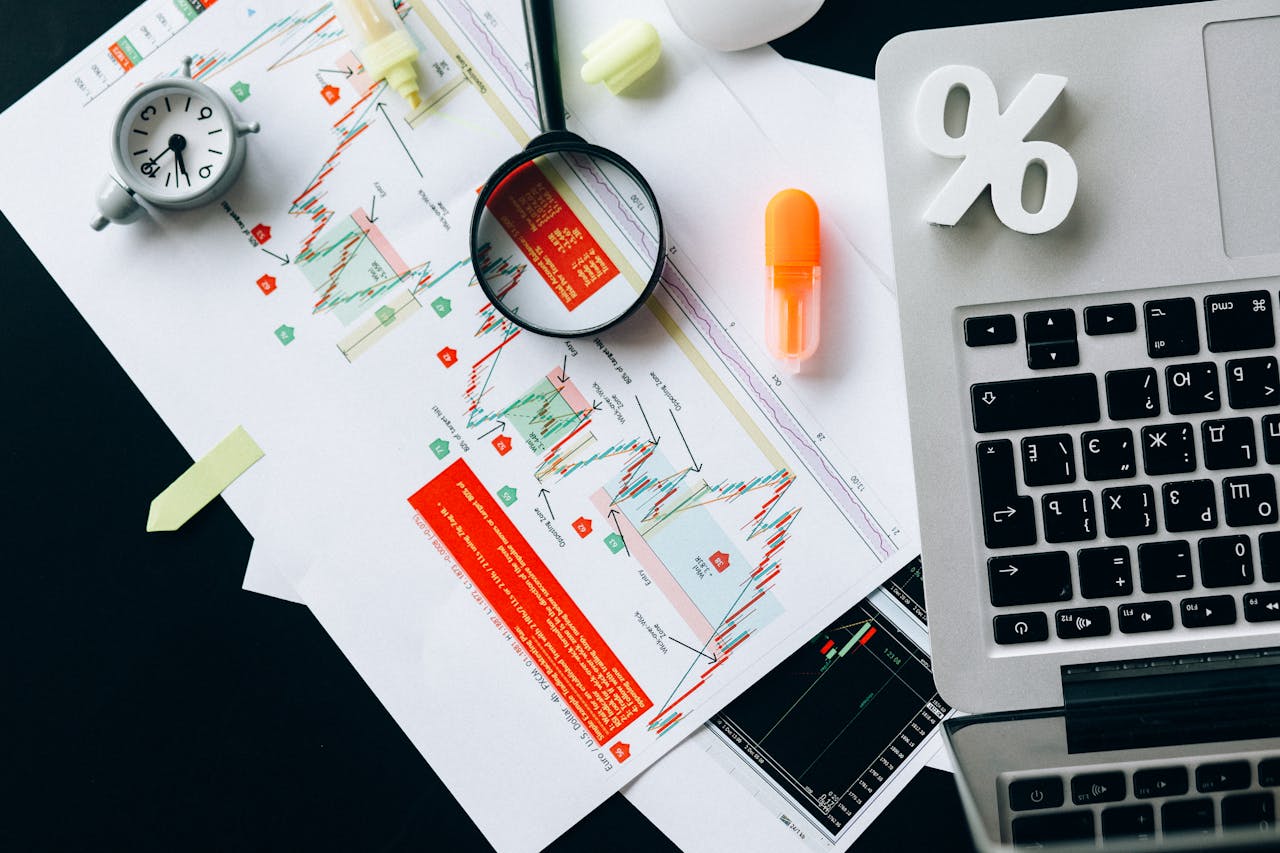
[382,44]
[792,252]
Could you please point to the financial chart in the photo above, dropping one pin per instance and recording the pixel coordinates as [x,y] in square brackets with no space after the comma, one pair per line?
[830,726]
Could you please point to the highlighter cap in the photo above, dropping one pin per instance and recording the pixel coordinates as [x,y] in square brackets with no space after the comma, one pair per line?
[791,230]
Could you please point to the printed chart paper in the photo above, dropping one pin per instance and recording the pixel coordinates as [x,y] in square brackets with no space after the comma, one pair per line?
[664,504]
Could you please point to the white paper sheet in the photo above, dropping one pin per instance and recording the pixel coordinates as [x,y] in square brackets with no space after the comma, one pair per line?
[348,403]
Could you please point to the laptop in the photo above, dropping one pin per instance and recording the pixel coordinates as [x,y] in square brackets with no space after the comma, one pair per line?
[1086,229]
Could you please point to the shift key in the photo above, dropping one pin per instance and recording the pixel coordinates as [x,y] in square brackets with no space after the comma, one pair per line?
[1049,401]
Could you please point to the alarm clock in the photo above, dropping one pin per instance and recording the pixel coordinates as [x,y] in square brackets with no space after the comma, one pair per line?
[176,145]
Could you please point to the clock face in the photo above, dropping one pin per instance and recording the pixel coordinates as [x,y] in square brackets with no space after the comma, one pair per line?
[175,144]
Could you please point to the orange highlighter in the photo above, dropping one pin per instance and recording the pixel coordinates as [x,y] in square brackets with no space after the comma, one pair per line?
[792,252]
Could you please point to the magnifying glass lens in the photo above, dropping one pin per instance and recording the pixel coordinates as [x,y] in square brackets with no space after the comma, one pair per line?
[586,230]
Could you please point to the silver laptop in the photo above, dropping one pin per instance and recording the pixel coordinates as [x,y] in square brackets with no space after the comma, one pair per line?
[1095,414]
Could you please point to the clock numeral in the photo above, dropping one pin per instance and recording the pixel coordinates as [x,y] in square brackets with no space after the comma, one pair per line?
[147,112]
[205,112]
[206,171]
[149,169]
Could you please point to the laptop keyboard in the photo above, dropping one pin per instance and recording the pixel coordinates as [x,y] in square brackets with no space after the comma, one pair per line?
[1143,804]
[1123,455]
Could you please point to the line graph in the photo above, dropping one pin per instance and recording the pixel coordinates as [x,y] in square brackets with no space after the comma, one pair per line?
[664,514]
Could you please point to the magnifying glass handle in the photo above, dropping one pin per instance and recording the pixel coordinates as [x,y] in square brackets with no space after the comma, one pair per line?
[540,26]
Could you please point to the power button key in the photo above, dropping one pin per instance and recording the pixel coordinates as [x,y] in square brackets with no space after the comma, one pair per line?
[1044,792]
[1011,628]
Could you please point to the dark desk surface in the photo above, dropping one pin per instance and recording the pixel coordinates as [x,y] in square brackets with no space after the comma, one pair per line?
[150,703]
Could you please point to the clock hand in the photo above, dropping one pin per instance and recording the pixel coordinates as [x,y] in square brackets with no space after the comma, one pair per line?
[149,167]
[178,142]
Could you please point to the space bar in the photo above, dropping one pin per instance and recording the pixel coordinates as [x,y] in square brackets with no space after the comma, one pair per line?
[1049,401]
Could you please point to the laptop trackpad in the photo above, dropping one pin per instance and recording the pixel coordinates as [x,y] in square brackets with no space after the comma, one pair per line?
[1244,101]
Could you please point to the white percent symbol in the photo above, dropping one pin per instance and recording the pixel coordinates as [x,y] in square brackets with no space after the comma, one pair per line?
[995,150]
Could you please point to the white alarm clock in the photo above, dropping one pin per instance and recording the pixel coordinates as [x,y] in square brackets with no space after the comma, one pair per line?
[175,144]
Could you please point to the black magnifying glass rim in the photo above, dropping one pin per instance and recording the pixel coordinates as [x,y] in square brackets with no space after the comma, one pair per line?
[559,142]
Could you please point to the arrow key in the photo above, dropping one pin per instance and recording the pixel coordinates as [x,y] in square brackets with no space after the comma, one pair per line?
[990,331]
[1110,319]
[1262,606]
[1053,354]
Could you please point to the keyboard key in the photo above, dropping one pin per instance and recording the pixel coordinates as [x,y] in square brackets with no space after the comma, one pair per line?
[1105,572]
[1029,578]
[1172,329]
[1269,556]
[1159,782]
[1137,822]
[1008,519]
[1271,439]
[1048,460]
[1056,354]
[1192,388]
[1210,612]
[1239,321]
[1223,776]
[1226,561]
[1249,499]
[1040,403]
[1165,566]
[1110,319]
[1189,505]
[1228,444]
[1169,449]
[1014,628]
[1068,517]
[1140,617]
[1078,622]
[1262,606]
[1051,339]
[1108,454]
[1039,793]
[1269,772]
[1049,326]
[1249,811]
[1089,788]
[1133,394]
[1058,827]
[990,331]
[1188,816]
[1128,511]
[1253,382]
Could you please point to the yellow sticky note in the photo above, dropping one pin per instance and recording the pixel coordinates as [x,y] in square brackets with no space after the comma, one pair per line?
[203,481]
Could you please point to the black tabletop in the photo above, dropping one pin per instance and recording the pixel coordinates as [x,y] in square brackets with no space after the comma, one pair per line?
[150,703]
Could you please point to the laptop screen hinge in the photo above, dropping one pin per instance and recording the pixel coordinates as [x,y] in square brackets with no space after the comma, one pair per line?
[1162,701]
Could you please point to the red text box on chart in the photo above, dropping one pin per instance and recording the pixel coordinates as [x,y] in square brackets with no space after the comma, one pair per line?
[472,525]
[551,236]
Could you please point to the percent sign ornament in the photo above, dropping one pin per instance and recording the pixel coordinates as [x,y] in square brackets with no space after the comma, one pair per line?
[995,150]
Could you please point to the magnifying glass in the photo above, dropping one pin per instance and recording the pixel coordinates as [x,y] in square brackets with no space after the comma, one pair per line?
[580,218]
